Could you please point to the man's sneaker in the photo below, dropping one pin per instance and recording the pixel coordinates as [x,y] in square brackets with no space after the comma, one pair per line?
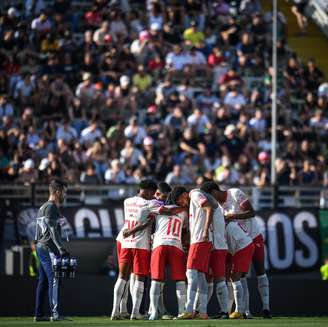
[236,315]
[37,319]
[124,316]
[224,315]
[116,317]
[185,316]
[137,317]
[167,316]
[267,314]
[59,318]
[202,316]
[153,317]
[247,315]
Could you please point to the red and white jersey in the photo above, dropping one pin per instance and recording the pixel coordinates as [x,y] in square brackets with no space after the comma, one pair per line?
[233,204]
[168,230]
[218,230]
[197,216]
[237,237]
[136,211]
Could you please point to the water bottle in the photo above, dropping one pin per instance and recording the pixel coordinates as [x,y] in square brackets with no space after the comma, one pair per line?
[72,267]
[64,267]
[57,266]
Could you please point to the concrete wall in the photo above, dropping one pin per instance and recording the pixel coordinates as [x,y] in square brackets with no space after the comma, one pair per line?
[92,296]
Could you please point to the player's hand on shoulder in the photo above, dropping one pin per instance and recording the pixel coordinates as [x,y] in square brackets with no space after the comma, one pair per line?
[229,215]
[126,233]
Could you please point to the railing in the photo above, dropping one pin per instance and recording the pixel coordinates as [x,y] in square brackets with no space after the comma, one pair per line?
[266,197]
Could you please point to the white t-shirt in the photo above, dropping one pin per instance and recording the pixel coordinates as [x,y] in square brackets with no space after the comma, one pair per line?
[197,216]
[237,238]
[233,204]
[136,211]
[218,230]
[168,230]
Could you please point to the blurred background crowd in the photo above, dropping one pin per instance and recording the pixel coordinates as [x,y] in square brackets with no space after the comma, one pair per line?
[175,90]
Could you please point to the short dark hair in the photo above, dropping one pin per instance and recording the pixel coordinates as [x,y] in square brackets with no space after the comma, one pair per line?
[176,192]
[147,184]
[210,186]
[56,185]
[164,187]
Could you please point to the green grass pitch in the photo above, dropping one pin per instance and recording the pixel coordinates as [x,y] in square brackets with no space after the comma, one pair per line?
[106,322]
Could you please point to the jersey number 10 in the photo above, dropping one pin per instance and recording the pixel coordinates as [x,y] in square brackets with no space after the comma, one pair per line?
[174,227]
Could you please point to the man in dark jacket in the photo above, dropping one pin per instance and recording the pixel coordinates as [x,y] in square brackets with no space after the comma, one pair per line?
[48,246]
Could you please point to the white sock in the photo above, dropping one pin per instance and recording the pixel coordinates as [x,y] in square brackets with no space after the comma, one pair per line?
[161,306]
[231,298]
[132,280]
[154,294]
[222,295]
[181,292]
[238,295]
[196,301]
[245,294]
[210,288]
[203,292]
[118,292]
[137,295]
[263,287]
[124,299]
[192,276]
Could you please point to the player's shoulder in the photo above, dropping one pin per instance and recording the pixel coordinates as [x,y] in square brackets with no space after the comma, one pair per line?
[235,192]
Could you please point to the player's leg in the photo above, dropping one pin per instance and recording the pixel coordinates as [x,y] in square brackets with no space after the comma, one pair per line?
[124,301]
[262,279]
[157,269]
[228,267]
[125,264]
[203,295]
[244,283]
[218,266]
[238,295]
[192,278]
[177,264]
[240,265]
[141,264]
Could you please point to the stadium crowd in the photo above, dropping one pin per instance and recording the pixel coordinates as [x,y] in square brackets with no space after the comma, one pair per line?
[174,90]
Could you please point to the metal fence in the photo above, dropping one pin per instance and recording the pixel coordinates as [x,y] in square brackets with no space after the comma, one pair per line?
[78,194]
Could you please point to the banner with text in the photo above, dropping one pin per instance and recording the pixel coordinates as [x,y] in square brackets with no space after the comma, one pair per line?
[292,236]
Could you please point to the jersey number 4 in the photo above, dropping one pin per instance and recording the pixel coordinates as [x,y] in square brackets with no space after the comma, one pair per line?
[174,227]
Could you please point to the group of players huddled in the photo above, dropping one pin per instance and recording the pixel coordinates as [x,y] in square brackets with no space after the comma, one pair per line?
[205,236]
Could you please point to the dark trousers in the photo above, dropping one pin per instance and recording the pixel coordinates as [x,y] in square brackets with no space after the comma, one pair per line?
[46,281]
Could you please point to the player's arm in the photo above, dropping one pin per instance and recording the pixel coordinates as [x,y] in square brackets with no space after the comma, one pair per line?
[139,227]
[247,211]
[164,210]
[208,221]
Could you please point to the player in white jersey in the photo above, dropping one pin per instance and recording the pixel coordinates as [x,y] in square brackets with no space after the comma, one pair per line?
[135,249]
[219,251]
[237,206]
[200,218]
[167,251]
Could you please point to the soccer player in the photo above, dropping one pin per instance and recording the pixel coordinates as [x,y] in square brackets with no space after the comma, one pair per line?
[135,249]
[239,258]
[237,206]
[167,251]
[200,219]
[219,251]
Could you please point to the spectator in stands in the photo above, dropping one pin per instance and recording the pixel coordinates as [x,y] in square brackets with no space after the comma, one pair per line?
[89,175]
[115,174]
[176,177]
[298,9]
